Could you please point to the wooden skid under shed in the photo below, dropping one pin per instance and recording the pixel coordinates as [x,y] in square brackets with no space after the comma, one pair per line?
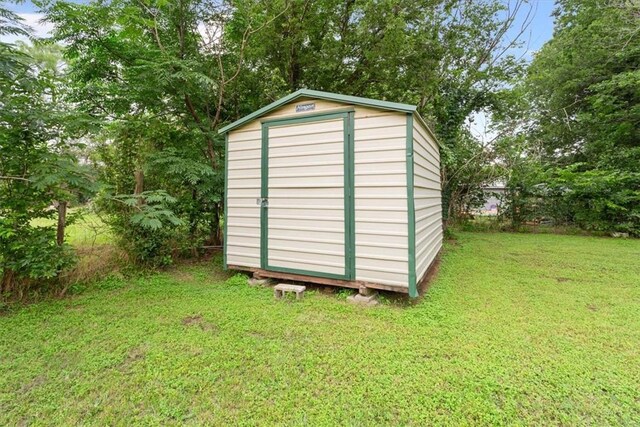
[355,284]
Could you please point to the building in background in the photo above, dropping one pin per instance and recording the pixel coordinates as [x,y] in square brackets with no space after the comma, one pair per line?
[493,194]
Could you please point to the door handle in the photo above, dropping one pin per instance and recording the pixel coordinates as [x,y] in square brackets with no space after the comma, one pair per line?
[263,202]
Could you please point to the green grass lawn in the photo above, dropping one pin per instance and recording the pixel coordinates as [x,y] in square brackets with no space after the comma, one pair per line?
[516,329]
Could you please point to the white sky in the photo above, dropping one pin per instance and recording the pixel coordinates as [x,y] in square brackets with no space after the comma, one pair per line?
[40,29]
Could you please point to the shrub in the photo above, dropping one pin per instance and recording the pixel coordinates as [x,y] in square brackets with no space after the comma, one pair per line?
[145,227]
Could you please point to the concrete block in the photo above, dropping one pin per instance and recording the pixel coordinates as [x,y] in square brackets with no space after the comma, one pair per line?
[281,288]
[258,282]
[366,291]
[366,300]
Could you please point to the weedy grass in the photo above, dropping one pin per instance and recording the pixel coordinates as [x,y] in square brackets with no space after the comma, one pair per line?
[97,255]
[516,329]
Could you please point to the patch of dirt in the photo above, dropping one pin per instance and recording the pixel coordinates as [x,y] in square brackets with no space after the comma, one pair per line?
[34,383]
[592,307]
[182,275]
[257,335]
[563,279]
[197,320]
[75,307]
[452,242]
[191,320]
[327,290]
[135,354]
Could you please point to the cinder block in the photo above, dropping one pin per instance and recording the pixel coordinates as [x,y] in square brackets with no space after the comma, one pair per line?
[366,291]
[367,300]
[281,288]
[258,282]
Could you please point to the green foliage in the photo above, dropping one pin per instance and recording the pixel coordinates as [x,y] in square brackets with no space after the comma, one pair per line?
[156,80]
[344,293]
[599,200]
[145,225]
[466,167]
[182,190]
[12,60]
[515,330]
[570,143]
[582,89]
[237,279]
[31,253]
[151,209]
[447,57]
[152,87]
[36,168]
[525,197]
[588,104]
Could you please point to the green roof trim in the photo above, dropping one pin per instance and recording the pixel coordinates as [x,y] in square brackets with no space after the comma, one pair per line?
[316,94]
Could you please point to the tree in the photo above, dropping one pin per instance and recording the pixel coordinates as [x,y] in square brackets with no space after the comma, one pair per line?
[156,79]
[586,112]
[11,59]
[153,78]
[451,58]
[36,169]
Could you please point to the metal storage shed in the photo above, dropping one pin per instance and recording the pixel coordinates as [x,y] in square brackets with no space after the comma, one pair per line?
[333,189]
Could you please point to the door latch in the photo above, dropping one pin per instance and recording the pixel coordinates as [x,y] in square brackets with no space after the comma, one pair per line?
[263,202]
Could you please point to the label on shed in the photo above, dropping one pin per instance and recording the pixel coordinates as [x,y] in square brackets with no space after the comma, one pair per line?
[305,107]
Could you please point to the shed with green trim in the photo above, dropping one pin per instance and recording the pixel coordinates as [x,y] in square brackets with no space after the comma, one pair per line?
[333,189]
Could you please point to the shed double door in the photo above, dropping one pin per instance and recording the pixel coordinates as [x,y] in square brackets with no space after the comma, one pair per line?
[307,208]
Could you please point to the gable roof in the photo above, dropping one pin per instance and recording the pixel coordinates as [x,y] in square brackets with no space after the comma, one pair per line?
[308,93]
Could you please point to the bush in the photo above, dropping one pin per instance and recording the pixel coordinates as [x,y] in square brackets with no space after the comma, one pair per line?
[149,232]
[598,200]
[29,255]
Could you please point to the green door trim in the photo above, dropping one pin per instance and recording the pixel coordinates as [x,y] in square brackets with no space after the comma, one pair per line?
[411,210]
[349,205]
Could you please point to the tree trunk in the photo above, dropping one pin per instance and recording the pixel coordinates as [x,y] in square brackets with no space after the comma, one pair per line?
[214,227]
[62,222]
[220,235]
[6,285]
[193,215]
[193,222]
[139,175]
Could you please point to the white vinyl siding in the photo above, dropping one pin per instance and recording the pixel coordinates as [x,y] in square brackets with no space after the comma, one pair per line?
[243,189]
[381,197]
[244,184]
[427,198]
